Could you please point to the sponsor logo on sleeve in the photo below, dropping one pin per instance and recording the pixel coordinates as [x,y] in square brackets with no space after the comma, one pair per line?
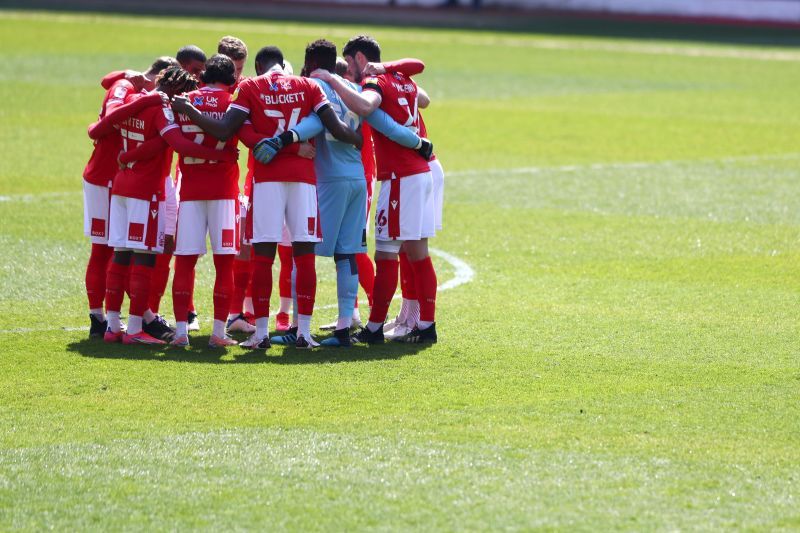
[168,114]
[235,95]
[120,92]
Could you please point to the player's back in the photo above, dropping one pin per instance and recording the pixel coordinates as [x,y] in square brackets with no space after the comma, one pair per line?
[276,102]
[142,179]
[334,159]
[399,101]
[203,179]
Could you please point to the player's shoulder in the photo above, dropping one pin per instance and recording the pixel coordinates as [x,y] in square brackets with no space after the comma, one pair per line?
[121,89]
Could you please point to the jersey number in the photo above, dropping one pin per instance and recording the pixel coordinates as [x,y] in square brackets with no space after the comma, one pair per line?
[130,141]
[293,118]
[198,139]
[411,121]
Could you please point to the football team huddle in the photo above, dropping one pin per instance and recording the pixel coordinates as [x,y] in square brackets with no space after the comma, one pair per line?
[317,144]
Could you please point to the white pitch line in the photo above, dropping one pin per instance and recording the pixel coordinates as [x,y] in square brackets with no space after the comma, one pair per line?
[463,274]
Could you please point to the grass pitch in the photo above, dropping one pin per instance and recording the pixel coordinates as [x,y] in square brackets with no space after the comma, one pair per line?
[625,356]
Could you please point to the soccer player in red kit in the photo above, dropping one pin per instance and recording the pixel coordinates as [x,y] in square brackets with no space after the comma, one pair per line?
[284,189]
[408,316]
[405,209]
[137,204]
[98,178]
[209,194]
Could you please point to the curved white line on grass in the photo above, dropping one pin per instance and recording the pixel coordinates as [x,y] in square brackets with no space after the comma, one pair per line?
[463,274]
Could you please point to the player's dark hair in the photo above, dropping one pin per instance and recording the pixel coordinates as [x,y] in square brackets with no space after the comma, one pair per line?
[190,53]
[268,56]
[161,63]
[219,69]
[341,66]
[320,54]
[232,47]
[364,44]
[175,80]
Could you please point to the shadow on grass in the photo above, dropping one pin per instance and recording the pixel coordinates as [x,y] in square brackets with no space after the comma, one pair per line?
[199,352]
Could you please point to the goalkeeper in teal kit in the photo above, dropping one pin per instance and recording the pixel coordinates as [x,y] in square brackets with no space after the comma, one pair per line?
[341,186]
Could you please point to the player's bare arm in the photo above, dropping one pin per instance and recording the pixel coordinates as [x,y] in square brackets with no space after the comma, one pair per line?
[360,103]
[423,100]
[223,129]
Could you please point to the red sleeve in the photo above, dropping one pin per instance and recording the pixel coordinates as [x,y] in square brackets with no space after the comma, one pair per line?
[241,98]
[187,148]
[112,77]
[104,126]
[373,84]
[250,137]
[408,67]
[146,150]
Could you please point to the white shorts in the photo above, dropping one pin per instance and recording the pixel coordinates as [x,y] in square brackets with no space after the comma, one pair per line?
[96,204]
[217,218]
[291,202]
[136,224]
[438,191]
[405,210]
[286,237]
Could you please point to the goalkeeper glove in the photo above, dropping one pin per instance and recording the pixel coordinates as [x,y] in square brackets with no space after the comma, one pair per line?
[425,148]
[266,149]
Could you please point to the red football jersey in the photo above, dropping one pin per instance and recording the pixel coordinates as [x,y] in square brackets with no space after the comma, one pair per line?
[276,102]
[399,101]
[368,152]
[102,165]
[145,178]
[202,179]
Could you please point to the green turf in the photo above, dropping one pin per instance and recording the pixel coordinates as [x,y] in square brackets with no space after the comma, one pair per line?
[626,356]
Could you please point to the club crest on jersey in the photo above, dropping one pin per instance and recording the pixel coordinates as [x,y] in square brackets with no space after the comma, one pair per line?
[197,100]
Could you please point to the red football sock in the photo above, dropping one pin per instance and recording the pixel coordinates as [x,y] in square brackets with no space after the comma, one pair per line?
[223,285]
[191,295]
[425,276]
[407,283]
[96,273]
[182,283]
[385,286]
[241,279]
[115,286]
[285,276]
[140,288]
[261,280]
[160,274]
[366,275]
[306,283]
